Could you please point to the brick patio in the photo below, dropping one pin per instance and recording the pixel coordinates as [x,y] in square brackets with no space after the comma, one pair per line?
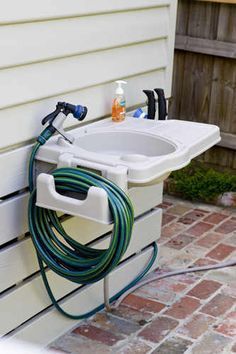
[192,313]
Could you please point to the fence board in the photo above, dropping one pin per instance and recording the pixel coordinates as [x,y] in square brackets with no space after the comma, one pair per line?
[205,90]
[206,46]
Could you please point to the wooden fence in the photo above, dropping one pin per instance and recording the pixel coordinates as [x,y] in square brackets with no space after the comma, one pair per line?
[204,81]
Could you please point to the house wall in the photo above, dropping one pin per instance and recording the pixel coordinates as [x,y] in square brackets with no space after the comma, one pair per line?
[67,51]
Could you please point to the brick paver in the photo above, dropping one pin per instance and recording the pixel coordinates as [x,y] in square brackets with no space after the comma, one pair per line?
[210,240]
[221,252]
[180,241]
[158,329]
[100,335]
[193,313]
[196,326]
[199,229]
[218,305]
[142,304]
[215,218]
[227,227]
[183,308]
[204,289]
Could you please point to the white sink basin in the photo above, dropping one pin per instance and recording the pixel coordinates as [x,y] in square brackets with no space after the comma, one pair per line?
[146,150]
[126,144]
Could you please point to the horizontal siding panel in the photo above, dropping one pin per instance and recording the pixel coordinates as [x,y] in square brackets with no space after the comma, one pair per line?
[20,259]
[54,39]
[24,121]
[14,168]
[13,218]
[37,81]
[50,325]
[33,297]
[28,11]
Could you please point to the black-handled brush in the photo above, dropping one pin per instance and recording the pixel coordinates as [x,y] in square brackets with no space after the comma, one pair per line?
[162,110]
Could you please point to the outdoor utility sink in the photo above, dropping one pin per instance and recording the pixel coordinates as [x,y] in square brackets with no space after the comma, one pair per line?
[147,150]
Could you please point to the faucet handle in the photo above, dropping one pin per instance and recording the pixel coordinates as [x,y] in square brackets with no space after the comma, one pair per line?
[162,110]
[151,104]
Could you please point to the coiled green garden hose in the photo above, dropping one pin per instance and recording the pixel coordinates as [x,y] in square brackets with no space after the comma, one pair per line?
[69,258]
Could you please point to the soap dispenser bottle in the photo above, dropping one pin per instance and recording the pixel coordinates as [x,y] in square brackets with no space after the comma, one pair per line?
[119,103]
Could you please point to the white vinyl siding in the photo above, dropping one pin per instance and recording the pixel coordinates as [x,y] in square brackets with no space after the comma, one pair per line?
[70,51]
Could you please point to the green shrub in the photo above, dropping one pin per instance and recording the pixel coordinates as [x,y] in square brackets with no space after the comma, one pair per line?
[197,182]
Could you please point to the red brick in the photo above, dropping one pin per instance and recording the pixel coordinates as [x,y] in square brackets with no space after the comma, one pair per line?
[178,287]
[215,218]
[191,217]
[204,289]
[218,305]
[221,252]
[179,241]
[98,334]
[199,229]
[114,324]
[167,218]
[141,304]
[228,328]
[198,325]
[183,308]
[132,315]
[227,227]
[164,205]
[158,329]
[210,240]
[172,230]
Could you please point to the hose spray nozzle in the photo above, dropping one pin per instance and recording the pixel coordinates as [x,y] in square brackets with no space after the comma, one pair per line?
[58,116]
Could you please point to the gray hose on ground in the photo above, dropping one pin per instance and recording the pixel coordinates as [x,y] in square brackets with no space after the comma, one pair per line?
[171,274]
